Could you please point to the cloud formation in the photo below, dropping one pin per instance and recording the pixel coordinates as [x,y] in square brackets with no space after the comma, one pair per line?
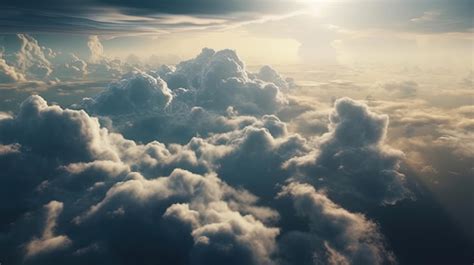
[217,178]
[353,154]
[96,49]
[212,93]
[137,93]
[48,241]
[336,235]
[118,17]
[23,60]
[402,89]
[8,73]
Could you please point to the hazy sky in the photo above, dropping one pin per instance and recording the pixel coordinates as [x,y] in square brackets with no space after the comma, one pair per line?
[433,32]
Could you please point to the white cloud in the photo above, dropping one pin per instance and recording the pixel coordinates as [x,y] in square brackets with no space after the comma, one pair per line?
[426,17]
[8,73]
[48,241]
[96,49]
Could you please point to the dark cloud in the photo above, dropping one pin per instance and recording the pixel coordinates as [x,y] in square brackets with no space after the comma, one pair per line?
[99,187]
[119,16]
[353,155]
[91,178]
[335,236]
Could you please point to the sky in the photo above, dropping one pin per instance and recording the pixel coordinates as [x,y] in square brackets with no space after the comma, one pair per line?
[273,132]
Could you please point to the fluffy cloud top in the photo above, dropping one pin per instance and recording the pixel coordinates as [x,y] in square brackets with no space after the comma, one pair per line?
[48,241]
[212,93]
[208,182]
[219,80]
[139,92]
[348,238]
[96,49]
[8,73]
[103,184]
[352,157]
[25,60]
[31,58]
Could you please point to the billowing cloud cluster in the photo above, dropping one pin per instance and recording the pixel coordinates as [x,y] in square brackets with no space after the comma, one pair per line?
[212,93]
[352,155]
[335,235]
[138,92]
[28,60]
[8,73]
[23,59]
[218,80]
[211,174]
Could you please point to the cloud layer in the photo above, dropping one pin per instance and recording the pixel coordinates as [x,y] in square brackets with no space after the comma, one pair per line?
[193,165]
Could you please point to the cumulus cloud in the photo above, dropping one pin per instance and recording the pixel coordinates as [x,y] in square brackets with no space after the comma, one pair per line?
[352,158]
[335,236]
[95,48]
[24,60]
[219,80]
[217,227]
[70,67]
[195,167]
[48,241]
[212,93]
[93,161]
[8,73]
[37,122]
[9,148]
[137,93]
[268,74]
[31,59]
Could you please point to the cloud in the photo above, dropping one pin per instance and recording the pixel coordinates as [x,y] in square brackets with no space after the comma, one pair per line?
[94,161]
[8,74]
[23,60]
[212,93]
[95,48]
[256,157]
[31,59]
[37,122]
[110,187]
[336,235]
[48,241]
[139,92]
[268,74]
[117,17]
[70,68]
[401,88]
[219,80]
[352,158]
[217,228]
[426,17]
[9,149]
[195,167]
